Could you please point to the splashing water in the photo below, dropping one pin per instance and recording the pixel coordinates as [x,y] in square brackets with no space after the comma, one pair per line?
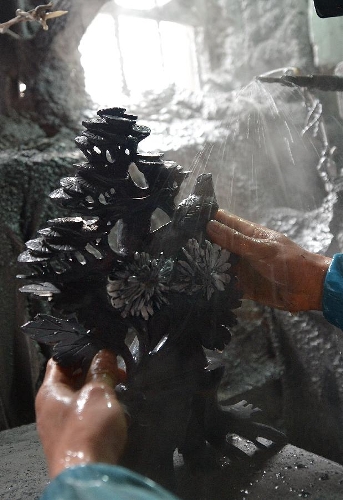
[270,154]
[266,152]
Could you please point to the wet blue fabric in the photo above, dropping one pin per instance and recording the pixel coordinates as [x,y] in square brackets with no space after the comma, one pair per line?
[103,482]
[333,292]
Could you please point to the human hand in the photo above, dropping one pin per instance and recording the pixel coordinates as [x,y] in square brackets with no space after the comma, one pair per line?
[79,418]
[272,270]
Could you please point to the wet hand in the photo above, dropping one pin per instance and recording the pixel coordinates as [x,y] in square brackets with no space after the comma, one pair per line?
[79,419]
[272,270]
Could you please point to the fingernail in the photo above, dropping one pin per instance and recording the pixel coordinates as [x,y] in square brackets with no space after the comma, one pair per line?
[104,361]
[105,356]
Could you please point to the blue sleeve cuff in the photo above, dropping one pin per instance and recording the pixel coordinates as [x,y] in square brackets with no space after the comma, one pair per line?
[333,292]
[103,482]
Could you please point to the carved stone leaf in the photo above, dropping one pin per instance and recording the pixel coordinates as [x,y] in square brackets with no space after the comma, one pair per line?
[44,289]
[70,341]
[242,410]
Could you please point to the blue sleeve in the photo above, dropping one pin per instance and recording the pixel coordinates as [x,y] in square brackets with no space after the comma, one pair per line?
[333,292]
[103,482]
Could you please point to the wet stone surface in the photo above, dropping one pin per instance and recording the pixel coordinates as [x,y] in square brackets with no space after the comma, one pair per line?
[288,474]
[22,466]
[295,473]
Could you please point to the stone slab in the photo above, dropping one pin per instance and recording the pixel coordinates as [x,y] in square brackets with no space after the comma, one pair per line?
[290,473]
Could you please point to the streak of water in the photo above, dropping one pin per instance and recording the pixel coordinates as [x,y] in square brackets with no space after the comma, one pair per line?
[268,153]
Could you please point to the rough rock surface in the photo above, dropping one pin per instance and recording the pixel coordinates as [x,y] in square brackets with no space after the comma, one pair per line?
[250,38]
[33,153]
[23,469]
[26,176]
[286,474]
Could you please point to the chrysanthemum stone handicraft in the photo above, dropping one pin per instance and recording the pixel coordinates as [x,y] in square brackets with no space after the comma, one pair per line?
[156,297]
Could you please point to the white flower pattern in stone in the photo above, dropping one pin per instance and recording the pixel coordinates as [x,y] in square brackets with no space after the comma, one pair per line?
[141,287]
[205,268]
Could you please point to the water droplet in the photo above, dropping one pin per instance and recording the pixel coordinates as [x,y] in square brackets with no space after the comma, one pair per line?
[80,257]
[102,199]
[109,157]
[304,494]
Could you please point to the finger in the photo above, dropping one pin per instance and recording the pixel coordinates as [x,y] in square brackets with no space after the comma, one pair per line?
[231,239]
[104,369]
[56,374]
[241,225]
[57,385]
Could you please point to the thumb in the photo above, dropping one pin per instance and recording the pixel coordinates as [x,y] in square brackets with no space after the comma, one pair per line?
[104,369]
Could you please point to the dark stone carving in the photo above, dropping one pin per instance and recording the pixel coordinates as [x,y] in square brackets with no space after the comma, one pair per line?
[170,286]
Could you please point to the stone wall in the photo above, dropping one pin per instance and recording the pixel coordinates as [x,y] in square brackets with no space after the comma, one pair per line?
[36,148]
[249,38]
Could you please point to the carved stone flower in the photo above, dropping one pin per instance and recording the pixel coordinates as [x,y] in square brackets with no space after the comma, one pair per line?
[141,286]
[205,268]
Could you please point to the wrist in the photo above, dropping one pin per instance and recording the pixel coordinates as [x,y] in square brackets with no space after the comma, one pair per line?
[317,269]
[69,458]
[64,460]
[309,274]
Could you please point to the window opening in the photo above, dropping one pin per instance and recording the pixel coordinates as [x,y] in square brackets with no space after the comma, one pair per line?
[125,54]
[141,4]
